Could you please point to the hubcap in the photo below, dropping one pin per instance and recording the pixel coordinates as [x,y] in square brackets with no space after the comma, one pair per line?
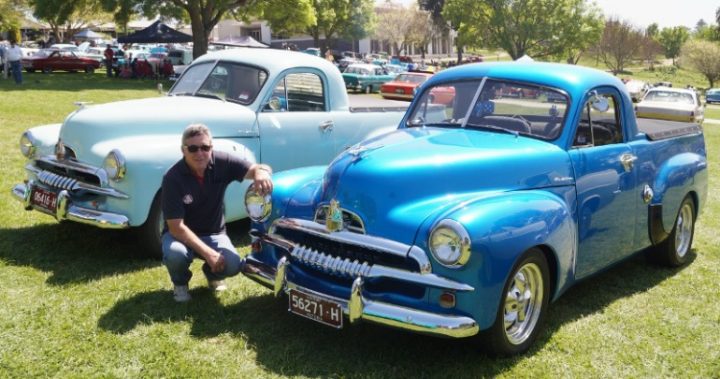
[683,230]
[523,302]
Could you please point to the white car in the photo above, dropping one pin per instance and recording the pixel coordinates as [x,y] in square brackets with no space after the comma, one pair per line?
[674,104]
[637,89]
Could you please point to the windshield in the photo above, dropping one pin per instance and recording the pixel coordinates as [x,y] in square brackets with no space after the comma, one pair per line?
[225,81]
[357,70]
[670,97]
[502,106]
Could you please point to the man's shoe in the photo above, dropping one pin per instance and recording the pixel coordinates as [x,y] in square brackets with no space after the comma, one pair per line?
[181,294]
[217,285]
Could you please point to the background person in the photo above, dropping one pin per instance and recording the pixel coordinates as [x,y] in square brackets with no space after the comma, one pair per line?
[109,55]
[14,58]
[192,203]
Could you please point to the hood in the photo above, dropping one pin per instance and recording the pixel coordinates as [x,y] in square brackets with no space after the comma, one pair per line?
[398,180]
[153,117]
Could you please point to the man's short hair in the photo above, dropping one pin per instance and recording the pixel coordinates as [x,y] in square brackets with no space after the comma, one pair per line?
[194,130]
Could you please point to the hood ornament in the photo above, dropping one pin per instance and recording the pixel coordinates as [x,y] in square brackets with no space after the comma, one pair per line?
[334,217]
[357,150]
[60,150]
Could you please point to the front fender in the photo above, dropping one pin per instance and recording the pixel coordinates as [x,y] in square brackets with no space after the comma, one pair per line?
[44,138]
[501,229]
[147,166]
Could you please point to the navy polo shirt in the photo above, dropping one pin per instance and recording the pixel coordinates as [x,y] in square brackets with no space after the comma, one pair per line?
[201,206]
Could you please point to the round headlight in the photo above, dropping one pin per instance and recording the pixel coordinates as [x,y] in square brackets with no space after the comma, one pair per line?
[450,243]
[27,145]
[258,206]
[114,165]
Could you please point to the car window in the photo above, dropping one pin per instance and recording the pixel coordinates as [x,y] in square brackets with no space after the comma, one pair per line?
[598,128]
[504,106]
[297,92]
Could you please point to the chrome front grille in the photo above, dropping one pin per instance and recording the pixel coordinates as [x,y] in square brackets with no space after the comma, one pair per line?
[333,265]
[57,181]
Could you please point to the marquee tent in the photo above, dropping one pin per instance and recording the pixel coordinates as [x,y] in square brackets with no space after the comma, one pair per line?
[157,32]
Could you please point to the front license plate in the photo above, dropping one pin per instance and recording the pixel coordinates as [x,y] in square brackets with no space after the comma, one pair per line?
[44,199]
[316,308]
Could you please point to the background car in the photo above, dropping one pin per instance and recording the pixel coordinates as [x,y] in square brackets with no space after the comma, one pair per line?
[637,89]
[676,104]
[403,87]
[59,60]
[712,95]
[365,77]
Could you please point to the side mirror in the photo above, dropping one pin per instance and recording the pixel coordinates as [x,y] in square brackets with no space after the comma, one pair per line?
[599,103]
[274,104]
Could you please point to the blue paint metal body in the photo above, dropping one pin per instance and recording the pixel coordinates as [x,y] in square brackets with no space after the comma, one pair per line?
[511,193]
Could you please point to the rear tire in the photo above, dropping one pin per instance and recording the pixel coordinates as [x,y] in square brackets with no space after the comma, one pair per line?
[150,233]
[89,69]
[673,252]
[46,70]
[368,89]
[30,70]
[522,307]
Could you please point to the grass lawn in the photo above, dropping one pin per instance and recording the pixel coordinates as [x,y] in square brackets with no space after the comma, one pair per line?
[76,301]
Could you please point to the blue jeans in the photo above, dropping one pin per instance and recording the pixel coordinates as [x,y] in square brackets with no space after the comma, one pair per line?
[16,69]
[177,258]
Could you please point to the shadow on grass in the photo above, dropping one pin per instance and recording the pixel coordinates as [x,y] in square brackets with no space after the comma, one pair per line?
[73,81]
[80,253]
[293,346]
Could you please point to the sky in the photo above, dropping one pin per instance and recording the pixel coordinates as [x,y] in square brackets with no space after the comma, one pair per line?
[641,13]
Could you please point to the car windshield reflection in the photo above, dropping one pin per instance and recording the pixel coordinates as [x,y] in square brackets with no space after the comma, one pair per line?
[224,81]
[516,108]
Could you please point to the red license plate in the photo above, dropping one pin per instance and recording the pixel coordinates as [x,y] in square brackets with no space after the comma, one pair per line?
[44,199]
[322,310]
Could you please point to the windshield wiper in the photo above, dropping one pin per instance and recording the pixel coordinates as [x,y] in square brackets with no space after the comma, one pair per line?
[493,127]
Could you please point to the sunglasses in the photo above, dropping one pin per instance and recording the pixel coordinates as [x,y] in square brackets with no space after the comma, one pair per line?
[195,148]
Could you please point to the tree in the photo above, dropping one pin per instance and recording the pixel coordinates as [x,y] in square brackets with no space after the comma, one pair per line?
[394,23]
[579,36]
[672,40]
[335,18]
[539,28]
[10,16]
[285,17]
[422,31]
[703,56]
[619,44]
[652,30]
[203,14]
[67,16]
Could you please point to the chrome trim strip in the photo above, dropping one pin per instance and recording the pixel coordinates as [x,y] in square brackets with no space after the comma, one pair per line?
[63,182]
[66,211]
[360,308]
[345,267]
[363,240]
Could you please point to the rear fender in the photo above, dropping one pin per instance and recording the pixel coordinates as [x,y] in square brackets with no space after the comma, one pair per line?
[679,176]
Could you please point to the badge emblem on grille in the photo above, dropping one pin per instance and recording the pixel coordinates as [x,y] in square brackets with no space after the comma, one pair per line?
[333,217]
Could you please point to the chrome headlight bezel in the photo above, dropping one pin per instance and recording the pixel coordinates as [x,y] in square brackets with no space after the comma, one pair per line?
[257,206]
[114,165]
[28,145]
[449,244]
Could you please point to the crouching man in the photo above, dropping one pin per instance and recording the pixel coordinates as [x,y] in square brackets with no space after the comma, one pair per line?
[192,203]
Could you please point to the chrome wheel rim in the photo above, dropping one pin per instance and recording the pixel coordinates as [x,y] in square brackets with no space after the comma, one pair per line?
[683,230]
[523,303]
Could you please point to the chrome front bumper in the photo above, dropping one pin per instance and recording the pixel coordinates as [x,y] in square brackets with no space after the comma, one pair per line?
[360,308]
[65,210]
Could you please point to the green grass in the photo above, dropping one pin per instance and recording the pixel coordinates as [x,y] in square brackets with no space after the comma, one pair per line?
[77,301]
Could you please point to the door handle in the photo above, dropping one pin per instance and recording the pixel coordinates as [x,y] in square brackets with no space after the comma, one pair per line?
[628,161]
[327,126]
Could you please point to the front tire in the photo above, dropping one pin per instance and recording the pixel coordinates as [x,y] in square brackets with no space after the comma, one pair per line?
[522,307]
[673,252]
[368,89]
[89,69]
[46,70]
[150,233]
